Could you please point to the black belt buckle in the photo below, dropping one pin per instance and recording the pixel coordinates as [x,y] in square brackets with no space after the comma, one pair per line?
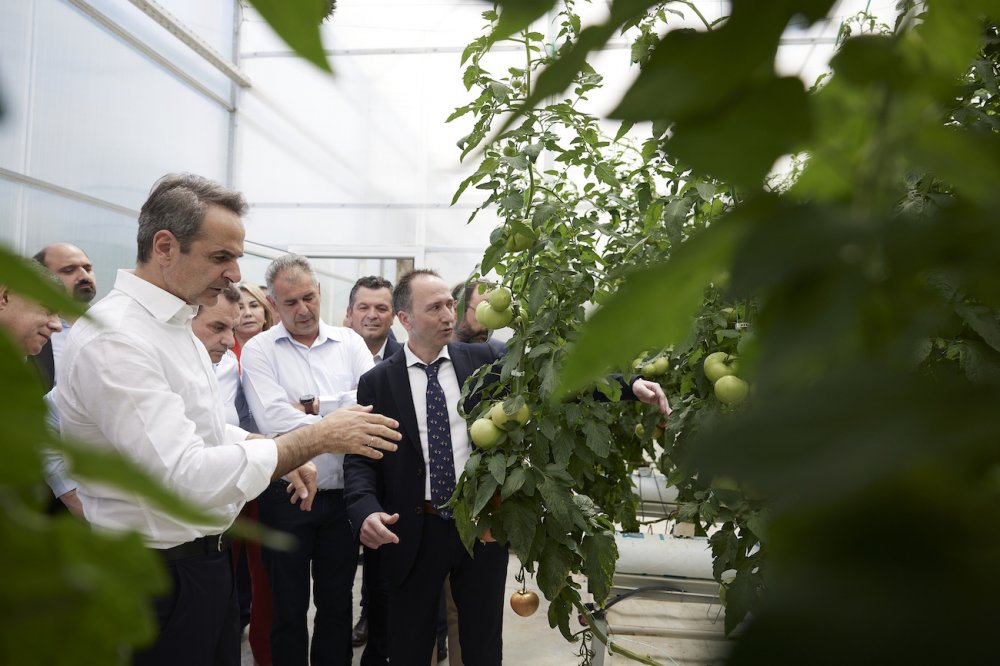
[206,545]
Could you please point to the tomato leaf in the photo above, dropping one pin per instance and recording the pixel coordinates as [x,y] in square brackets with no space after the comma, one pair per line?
[297,22]
[520,523]
[599,556]
[553,569]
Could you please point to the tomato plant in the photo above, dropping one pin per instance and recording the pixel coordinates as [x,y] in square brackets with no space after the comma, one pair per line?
[875,348]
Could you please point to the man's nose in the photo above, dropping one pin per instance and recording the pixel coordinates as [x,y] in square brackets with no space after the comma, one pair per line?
[229,339]
[232,272]
[55,323]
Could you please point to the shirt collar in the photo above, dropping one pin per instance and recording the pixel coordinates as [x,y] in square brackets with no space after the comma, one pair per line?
[326,333]
[412,359]
[160,303]
[380,354]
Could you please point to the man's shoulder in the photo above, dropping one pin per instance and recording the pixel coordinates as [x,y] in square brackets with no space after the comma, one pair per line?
[383,370]
[263,340]
[480,351]
[116,316]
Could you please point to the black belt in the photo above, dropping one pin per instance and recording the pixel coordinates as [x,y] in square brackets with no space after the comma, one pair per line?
[206,545]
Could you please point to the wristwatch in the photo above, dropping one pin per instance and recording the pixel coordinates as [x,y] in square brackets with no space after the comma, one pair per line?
[309,402]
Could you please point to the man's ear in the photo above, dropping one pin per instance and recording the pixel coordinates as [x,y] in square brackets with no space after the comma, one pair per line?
[4,296]
[404,319]
[164,243]
[270,300]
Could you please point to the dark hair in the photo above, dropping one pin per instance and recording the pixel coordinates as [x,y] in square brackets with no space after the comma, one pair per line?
[402,295]
[177,204]
[462,293]
[286,262]
[368,282]
[41,254]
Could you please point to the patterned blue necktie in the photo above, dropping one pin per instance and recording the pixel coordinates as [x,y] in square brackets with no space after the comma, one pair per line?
[442,460]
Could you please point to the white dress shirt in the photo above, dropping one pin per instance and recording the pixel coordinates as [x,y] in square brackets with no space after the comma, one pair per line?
[278,370]
[58,340]
[461,449]
[142,385]
[227,373]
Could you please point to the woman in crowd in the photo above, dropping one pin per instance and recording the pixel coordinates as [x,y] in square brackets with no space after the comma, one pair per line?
[255,316]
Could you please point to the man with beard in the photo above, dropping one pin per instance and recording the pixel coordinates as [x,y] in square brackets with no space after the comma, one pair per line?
[73,268]
[468,329]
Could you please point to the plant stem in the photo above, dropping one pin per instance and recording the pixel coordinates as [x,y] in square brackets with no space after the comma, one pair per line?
[612,646]
[693,8]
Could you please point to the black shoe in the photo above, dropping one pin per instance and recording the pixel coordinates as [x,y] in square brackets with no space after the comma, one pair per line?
[442,652]
[359,636]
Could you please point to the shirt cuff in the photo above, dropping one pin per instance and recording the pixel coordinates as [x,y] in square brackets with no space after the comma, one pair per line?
[262,459]
[333,402]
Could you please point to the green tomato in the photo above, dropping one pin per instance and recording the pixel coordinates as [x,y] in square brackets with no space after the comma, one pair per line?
[500,299]
[516,242]
[492,319]
[718,365]
[731,390]
[500,417]
[484,433]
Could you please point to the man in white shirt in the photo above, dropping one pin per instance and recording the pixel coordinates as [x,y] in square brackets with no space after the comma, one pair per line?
[293,373]
[141,385]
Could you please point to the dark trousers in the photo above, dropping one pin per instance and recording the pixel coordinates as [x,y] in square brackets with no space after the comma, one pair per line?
[324,542]
[199,619]
[376,611]
[477,584]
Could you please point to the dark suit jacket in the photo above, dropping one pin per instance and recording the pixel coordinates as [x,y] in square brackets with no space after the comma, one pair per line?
[45,364]
[395,484]
[391,346]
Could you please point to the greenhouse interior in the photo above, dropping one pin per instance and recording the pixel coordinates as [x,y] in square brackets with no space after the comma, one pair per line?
[547,331]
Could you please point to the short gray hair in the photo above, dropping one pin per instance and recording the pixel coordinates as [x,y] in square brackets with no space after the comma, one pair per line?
[286,262]
[177,204]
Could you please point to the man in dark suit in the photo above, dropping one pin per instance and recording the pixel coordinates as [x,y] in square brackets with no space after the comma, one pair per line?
[396,505]
[370,314]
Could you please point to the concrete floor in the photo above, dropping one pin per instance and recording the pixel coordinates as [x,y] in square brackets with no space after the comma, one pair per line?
[527,641]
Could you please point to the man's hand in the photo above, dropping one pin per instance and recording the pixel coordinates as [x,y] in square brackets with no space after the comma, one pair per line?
[357,430]
[302,485]
[374,532]
[652,394]
[73,503]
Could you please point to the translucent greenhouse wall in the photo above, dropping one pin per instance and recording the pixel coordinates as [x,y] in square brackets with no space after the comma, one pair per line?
[356,170]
